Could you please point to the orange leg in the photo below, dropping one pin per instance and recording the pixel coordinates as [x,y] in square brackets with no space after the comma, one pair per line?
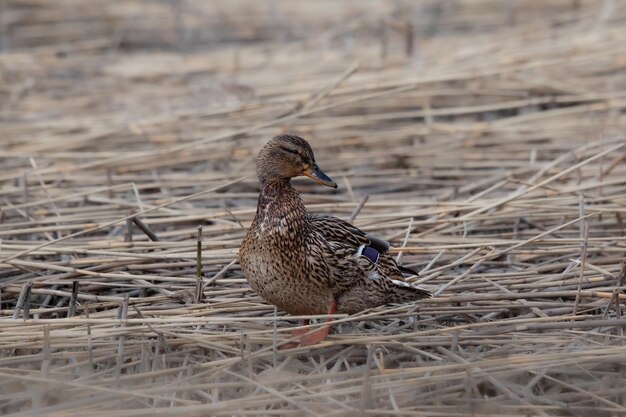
[300,332]
[309,338]
[314,337]
[295,333]
[320,334]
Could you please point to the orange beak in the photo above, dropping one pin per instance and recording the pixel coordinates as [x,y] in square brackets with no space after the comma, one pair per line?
[316,174]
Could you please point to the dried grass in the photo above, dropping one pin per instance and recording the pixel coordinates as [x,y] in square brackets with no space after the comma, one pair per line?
[484,139]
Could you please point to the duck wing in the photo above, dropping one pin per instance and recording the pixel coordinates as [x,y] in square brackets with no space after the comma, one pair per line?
[347,244]
[336,229]
[363,273]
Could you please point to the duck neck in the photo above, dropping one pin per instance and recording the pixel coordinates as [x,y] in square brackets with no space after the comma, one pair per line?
[280,208]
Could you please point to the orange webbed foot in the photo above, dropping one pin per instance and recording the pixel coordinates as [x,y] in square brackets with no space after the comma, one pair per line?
[315,337]
[295,333]
[309,337]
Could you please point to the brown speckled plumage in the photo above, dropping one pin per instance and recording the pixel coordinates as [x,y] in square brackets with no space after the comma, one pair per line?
[303,263]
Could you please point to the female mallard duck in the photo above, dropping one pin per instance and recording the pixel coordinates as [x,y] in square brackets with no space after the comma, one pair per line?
[309,264]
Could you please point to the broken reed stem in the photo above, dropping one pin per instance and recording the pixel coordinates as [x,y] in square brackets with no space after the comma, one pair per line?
[622,275]
[616,298]
[122,220]
[467,154]
[249,356]
[312,103]
[409,34]
[582,263]
[220,273]
[199,283]
[358,208]
[122,316]
[71,311]
[405,241]
[46,352]
[89,340]
[128,236]
[144,228]
[366,387]
[23,301]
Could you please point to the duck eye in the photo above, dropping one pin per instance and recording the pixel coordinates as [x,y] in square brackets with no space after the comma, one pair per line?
[291,151]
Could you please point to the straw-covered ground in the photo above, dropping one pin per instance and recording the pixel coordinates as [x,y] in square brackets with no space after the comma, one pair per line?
[484,139]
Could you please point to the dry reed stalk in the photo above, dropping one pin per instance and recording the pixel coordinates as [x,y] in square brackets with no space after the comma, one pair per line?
[486,140]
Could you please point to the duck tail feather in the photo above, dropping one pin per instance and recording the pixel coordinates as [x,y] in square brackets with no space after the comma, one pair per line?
[407,271]
[403,292]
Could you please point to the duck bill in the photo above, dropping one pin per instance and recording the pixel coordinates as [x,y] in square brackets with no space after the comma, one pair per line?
[315,173]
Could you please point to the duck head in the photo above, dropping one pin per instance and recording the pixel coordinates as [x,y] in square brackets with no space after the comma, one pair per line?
[288,156]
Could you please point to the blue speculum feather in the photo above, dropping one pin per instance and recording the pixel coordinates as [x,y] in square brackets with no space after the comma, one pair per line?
[370,253]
